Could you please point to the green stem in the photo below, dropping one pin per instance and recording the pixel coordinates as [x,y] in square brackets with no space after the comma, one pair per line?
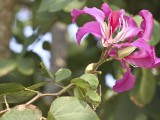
[65,89]
[5,100]
[102,59]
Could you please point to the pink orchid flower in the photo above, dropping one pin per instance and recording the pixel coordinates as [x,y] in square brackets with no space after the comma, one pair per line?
[122,33]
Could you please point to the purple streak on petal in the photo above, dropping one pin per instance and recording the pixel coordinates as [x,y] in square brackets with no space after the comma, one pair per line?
[89,27]
[126,83]
[94,12]
[146,25]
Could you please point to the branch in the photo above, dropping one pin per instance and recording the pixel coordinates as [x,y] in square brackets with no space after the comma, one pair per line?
[65,89]
[103,59]
[3,111]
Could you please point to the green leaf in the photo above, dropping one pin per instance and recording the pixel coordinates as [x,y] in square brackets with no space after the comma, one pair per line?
[10,88]
[38,85]
[155,34]
[52,5]
[21,94]
[71,108]
[45,72]
[93,97]
[148,85]
[22,112]
[46,45]
[6,66]
[28,41]
[25,66]
[79,94]
[138,20]
[76,4]
[81,83]
[18,97]
[91,79]
[62,74]
[134,93]
[144,89]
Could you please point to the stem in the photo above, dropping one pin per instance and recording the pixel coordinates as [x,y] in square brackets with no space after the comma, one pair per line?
[31,90]
[43,118]
[3,111]
[65,89]
[5,100]
[102,59]
[96,66]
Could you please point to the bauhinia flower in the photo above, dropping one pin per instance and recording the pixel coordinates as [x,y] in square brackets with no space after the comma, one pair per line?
[128,42]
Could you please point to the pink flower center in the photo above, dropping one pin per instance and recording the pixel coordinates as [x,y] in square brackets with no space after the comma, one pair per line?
[120,32]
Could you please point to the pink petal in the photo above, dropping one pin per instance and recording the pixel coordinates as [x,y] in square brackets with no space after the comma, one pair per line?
[146,25]
[156,60]
[106,9]
[126,83]
[75,13]
[94,12]
[145,57]
[141,59]
[89,27]
[132,30]
[142,44]
[114,19]
[113,16]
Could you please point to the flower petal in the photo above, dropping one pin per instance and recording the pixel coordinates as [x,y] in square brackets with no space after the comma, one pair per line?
[113,16]
[145,57]
[106,9]
[126,83]
[129,29]
[141,59]
[142,44]
[75,13]
[146,25]
[89,27]
[94,12]
[132,29]
[114,19]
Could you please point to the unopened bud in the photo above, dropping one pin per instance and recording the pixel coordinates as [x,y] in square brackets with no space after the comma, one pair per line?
[125,52]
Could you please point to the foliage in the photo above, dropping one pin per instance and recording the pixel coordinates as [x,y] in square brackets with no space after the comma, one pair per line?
[82,96]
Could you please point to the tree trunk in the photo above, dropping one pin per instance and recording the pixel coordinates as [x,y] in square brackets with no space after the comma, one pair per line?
[58,54]
[6,15]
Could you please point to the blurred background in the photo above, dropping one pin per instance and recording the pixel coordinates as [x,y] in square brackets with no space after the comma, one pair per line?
[32,31]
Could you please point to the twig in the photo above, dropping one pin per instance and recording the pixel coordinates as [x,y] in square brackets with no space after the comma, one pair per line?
[5,100]
[43,118]
[3,111]
[103,59]
[65,89]
[100,90]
